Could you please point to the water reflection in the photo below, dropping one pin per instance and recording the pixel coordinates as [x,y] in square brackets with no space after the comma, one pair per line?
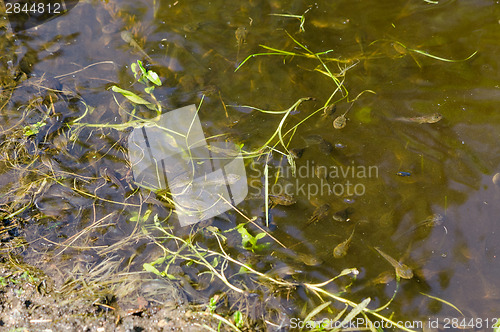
[195,50]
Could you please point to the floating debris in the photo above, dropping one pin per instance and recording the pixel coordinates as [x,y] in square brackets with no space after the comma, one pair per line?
[403,173]
[435,219]
[496,179]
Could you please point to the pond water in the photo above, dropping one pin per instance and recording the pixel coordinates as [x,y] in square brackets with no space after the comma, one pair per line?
[421,191]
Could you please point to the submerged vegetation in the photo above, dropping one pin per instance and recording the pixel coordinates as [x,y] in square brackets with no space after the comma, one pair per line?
[104,233]
[217,262]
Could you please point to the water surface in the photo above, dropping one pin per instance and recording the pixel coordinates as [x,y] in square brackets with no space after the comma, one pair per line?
[194,50]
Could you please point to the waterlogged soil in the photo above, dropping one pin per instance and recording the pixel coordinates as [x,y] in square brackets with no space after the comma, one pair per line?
[28,302]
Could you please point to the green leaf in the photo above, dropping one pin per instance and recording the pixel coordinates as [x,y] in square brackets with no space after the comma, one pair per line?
[156,220]
[28,131]
[262,246]
[159,260]
[135,70]
[131,96]
[143,70]
[146,215]
[33,129]
[153,77]
[249,242]
[316,311]
[245,236]
[169,276]
[356,311]
[238,319]
[259,236]
[215,262]
[243,270]
[150,268]
[212,305]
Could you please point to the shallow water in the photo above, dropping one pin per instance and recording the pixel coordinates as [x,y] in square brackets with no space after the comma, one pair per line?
[193,48]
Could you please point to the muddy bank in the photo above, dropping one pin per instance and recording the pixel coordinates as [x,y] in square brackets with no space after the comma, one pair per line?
[29,303]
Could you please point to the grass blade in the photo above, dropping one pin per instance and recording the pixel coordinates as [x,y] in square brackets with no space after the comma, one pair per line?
[254,55]
[439,58]
[356,311]
[443,301]
[266,193]
[316,311]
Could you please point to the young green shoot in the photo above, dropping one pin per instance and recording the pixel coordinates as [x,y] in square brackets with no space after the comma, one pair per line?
[249,242]
[144,76]
[33,129]
[424,53]
[301,18]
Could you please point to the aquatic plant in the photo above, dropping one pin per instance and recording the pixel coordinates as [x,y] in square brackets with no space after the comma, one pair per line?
[402,49]
[301,18]
[217,262]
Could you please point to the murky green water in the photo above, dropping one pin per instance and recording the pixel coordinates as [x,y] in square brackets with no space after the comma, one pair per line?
[193,48]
